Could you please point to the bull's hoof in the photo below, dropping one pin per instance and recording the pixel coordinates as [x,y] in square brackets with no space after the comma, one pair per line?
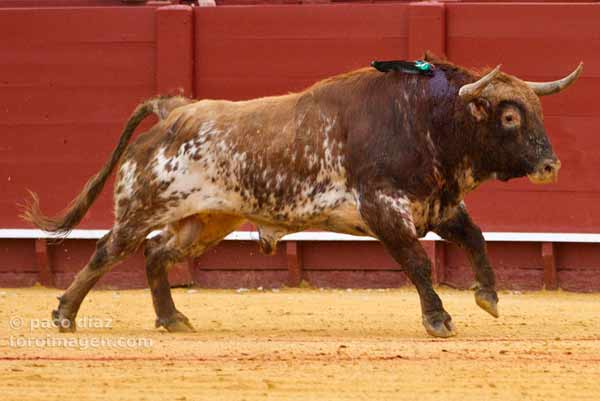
[65,324]
[487,300]
[439,324]
[178,323]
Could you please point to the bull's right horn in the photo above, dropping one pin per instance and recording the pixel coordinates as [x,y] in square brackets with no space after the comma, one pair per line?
[550,88]
[470,91]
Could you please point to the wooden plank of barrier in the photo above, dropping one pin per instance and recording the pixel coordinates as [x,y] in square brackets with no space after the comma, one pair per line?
[426,29]
[436,250]
[549,259]
[439,262]
[294,263]
[174,50]
[43,263]
[180,274]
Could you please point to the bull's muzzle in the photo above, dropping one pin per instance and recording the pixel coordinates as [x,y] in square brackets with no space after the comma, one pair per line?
[546,172]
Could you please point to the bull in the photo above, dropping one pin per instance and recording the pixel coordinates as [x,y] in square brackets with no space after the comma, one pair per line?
[389,155]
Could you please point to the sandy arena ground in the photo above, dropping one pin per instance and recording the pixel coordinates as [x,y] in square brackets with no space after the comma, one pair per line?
[300,344]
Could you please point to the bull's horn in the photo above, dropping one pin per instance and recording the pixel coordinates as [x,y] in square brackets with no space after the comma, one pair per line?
[472,90]
[550,88]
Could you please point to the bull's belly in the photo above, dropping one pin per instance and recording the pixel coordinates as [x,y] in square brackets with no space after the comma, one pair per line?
[271,195]
[335,210]
[341,218]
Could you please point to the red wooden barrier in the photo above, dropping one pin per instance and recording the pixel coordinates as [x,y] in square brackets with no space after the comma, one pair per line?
[246,52]
[70,76]
[543,43]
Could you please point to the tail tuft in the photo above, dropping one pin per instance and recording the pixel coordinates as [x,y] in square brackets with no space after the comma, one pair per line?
[32,213]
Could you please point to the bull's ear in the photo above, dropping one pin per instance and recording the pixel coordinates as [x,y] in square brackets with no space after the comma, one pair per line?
[429,56]
[432,58]
[480,108]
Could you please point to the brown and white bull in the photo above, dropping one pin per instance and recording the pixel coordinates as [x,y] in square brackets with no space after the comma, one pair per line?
[389,155]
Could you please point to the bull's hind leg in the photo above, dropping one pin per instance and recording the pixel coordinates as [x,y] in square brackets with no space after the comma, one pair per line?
[110,249]
[188,237]
[161,253]
[461,230]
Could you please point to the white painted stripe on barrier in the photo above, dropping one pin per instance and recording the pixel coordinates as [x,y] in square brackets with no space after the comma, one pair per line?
[16,233]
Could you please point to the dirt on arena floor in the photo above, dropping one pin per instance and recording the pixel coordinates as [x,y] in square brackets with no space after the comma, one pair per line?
[301,344]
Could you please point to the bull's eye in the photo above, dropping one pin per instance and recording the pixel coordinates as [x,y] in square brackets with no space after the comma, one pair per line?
[511,118]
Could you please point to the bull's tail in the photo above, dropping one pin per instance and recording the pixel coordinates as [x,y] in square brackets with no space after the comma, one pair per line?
[163,105]
[72,215]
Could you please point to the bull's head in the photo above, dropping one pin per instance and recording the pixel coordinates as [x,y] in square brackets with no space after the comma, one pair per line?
[508,114]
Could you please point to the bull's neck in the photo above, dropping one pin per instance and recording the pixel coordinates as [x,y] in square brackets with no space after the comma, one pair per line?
[456,142]
[460,160]
[466,176]
[424,109]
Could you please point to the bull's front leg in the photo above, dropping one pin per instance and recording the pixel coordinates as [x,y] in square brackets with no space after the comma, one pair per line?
[461,230]
[388,217]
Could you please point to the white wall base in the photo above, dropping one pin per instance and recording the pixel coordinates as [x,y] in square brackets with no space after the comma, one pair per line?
[17,233]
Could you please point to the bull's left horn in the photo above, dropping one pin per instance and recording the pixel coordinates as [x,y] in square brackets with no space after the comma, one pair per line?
[550,88]
[470,91]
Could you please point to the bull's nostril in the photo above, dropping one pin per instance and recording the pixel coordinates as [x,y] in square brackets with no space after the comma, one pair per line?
[546,171]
